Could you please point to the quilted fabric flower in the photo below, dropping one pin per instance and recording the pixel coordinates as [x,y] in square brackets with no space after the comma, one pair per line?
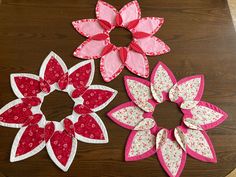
[59,138]
[113,58]
[171,146]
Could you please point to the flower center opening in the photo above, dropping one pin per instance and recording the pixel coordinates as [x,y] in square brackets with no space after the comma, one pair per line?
[57,105]
[120,37]
[168,115]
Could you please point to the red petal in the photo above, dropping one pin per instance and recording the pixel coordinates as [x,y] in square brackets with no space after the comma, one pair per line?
[107,49]
[123,54]
[44,86]
[63,82]
[88,127]
[49,130]
[105,24]
[81,109]
[27,86]
[31,101]
[119,19]
[53,71]
[61,144]
[94,98]
[78,92]
[140,35]
[99,37]
[17,114]
[34,119]
[133,24]
[136,47]
[69,126]
[81,76]
[30,139]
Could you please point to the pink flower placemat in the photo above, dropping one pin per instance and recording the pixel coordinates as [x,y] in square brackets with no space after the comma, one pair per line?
[113,58]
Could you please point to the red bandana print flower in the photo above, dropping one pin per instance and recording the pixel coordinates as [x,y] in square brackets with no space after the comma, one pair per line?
[113,58]
[60,138]
[171,146]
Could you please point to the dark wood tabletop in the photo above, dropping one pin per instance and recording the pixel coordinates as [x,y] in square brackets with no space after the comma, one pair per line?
[202,39]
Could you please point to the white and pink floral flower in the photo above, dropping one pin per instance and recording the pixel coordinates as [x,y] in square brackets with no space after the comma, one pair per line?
[171,146]
[59,138]
[113,58]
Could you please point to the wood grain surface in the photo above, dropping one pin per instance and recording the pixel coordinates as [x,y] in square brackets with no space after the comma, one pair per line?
[202,40]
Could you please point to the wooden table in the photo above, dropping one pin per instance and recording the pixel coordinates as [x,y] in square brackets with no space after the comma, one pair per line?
[201,36]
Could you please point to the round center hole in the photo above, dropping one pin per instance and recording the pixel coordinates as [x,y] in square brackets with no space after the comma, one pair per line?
[120,37]
[57,105]
[168,115]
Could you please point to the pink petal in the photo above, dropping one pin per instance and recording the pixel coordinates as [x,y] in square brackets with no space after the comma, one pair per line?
[140,145]
[139,92]
[199,146]
[137,63]
[152,46]
[111,65]
[52,69]
[25,85]
[172,157]
[96,97]
[108,48]
[88,27]
[105,11]
[205,116]
[62,148]
[28,142]
[149,25]
[90,49]
[89,128]
[81,75]
[188,89]
[15,114]
[130,12]
[127,115]
[133,24]
[162,79]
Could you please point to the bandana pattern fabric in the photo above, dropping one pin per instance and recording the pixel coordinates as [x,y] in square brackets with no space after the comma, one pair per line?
[171,146]
[113,58]
[59,138]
